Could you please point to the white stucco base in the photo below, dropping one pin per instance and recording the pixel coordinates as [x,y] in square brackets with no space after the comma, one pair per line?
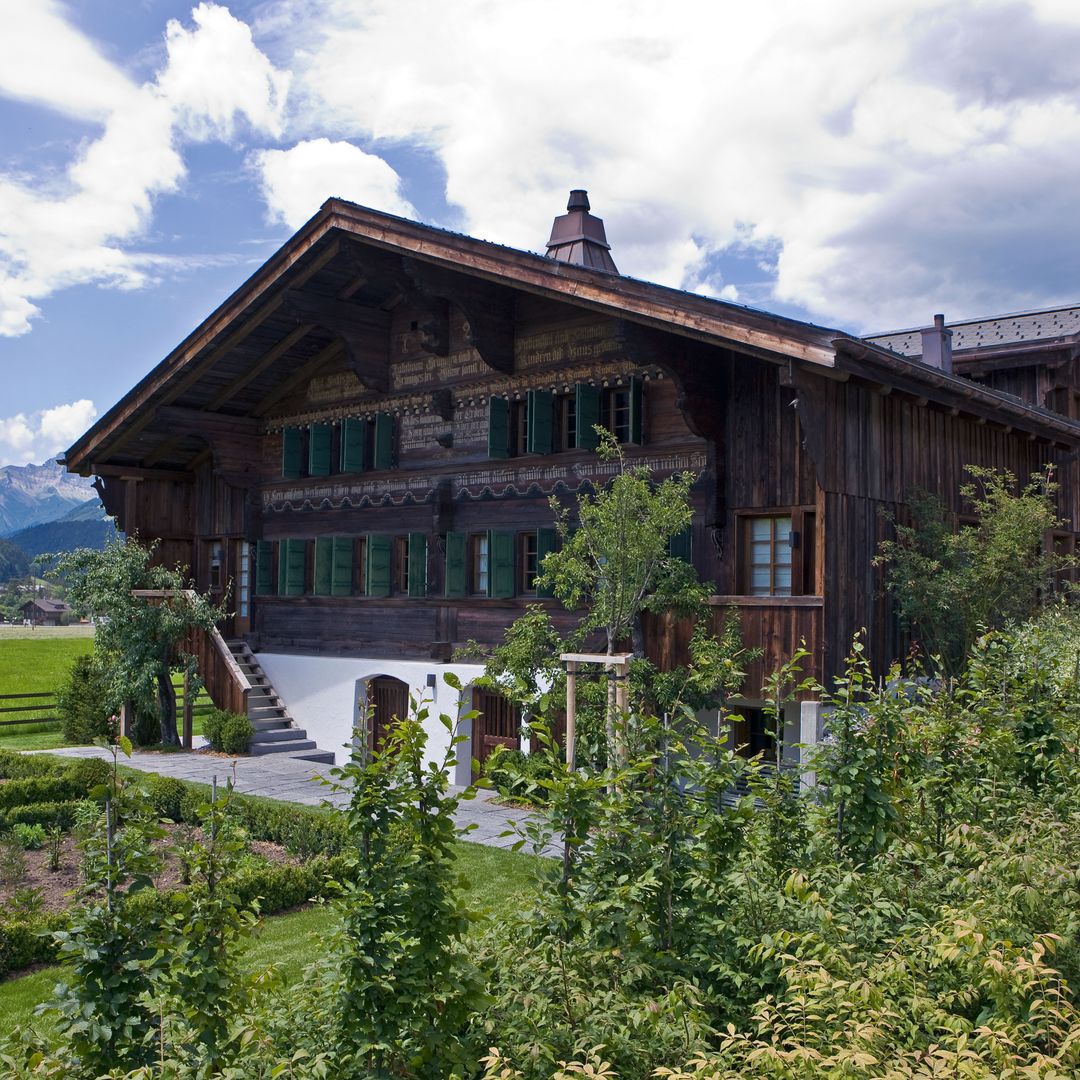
[326,695]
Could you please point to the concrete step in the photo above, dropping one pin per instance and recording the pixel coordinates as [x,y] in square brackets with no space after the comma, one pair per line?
[319,757]
[263,709]
[259,750]
[273,724]
[261,738]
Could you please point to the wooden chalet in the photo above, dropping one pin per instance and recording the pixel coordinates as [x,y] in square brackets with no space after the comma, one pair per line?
[363,439]
[44,612]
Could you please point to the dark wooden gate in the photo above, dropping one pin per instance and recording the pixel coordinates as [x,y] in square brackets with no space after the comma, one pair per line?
[389,699]
[499,724]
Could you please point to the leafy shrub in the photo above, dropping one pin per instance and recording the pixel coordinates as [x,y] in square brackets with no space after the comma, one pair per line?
[12,861]
[89,773]
[38,789]
[516,775]
[166,795]
[28,941]
[16,766]
[29,837]
[228,733]
[60,814]
[84,703]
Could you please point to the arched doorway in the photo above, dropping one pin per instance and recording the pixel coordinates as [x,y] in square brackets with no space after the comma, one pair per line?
[499,724]
[388,700]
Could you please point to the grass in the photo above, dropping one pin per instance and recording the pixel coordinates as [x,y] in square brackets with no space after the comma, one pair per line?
[496,881]
[36,662]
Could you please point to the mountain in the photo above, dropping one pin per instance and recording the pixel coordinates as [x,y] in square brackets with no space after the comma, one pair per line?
[85,525]
[34,493]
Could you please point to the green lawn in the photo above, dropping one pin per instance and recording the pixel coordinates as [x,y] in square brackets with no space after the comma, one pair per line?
[496,881]
[37,661]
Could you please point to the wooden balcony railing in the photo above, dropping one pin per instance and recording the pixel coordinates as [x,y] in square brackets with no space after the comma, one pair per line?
[777,625]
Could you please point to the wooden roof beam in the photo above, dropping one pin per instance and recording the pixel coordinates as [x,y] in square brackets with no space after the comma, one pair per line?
[302,375]
[137,472]
[260,365]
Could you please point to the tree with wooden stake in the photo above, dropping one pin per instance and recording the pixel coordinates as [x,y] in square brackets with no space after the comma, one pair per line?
[148,612]
[615,559]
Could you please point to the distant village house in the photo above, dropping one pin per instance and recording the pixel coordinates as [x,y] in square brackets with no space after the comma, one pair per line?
[42,612]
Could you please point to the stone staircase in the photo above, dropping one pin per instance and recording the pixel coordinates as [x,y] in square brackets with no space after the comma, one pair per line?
[275,730]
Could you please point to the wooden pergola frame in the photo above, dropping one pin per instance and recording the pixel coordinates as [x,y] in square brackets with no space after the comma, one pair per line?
[621,663]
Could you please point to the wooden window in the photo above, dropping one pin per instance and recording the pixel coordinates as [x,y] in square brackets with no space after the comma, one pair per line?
[501,564]
[354,445]
[539,425]
[243,585]
[264,568]
[519,427]
[320,444]
[401,564]
[383,456]
[217,558]
[379,561]
[359,581]
[416,572]
[767,556]
[292,567]
[528,562]
[566,422]
[621,411]
[292,453]
[479,564]
[456,577]
[498,427]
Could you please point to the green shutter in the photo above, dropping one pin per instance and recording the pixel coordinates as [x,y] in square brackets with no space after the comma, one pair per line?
[498,427]
[290,453]
[384,441]
[341,574]
[379,550]
[320,439]
[457,545]
[353,445]
[680,545]
[417,564]
[264,568]
[324,565]
[540,427]
[635,411]
[588,416]
[500,564]
[546,542]
[292,557]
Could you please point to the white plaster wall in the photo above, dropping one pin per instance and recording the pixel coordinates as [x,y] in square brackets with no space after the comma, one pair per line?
[326,694]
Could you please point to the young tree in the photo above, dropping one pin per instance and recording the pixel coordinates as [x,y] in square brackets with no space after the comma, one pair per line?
[139,637]
[951,584]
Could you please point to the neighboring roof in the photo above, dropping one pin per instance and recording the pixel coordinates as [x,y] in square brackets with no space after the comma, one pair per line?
[1047,326]
[48,606]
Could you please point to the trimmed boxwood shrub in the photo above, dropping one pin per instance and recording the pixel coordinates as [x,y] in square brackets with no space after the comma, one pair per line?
[16,766]
[42,813]
[227,732]
[89,772]
[38,789]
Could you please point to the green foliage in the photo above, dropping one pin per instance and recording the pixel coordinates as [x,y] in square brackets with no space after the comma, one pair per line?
[139,641]
[518,776]
[83,702]
[166,795]
[950,584]
[16,766]
[227,732]
[29,837]
[14,562]
[88,773]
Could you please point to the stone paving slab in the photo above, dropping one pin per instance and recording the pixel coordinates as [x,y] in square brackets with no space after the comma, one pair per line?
[287,779]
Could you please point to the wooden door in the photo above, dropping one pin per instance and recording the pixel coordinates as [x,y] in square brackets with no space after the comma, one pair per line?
[389,701]
[499,724]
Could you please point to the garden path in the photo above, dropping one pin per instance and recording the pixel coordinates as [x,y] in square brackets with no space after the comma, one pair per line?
[275,776]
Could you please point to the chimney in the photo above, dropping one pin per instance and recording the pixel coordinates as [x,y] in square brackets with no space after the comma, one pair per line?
[579,238]
[937,346]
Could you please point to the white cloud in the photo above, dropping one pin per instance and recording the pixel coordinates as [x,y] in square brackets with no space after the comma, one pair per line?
[79,230]
[296,182]
[34,437]
[894,158]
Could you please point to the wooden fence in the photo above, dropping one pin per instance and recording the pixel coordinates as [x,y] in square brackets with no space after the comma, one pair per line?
[46,702]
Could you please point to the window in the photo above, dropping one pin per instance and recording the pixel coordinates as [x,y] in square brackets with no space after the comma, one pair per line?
[519,428]
[616,408]
[528,562]
[566,422]
[401,564]
[768,556]
[244,584]
[217,557]
[479,564]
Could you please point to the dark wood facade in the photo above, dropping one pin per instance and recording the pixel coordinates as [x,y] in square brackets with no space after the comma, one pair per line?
[363,440]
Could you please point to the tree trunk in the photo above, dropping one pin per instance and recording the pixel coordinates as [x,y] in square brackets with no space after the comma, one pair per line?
[166,696]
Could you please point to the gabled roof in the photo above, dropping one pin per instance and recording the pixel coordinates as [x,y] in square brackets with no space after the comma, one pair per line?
[275,331]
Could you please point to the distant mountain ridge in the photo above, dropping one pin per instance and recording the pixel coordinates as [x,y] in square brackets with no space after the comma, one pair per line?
[30,494]
[85,525]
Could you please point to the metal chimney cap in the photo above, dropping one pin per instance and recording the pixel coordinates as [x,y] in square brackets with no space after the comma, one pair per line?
[579,200]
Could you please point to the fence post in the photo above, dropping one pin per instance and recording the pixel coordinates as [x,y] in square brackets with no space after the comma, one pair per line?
[188,724]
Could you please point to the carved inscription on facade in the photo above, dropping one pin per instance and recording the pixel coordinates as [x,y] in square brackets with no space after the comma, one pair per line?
[419,432]
[426,370]
[566,346]
[470,424]
[325,389]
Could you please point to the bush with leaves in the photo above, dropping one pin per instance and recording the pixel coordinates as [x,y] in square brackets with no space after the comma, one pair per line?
[83,702]
[227,732]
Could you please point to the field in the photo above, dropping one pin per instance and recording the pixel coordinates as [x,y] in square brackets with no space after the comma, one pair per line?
[37,661]
[293,941]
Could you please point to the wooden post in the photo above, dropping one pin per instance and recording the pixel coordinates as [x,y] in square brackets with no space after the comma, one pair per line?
[622,707]
[126,719]
[571,711]
[188,722]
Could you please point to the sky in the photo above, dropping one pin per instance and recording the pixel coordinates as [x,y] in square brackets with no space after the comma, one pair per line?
[859,165]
